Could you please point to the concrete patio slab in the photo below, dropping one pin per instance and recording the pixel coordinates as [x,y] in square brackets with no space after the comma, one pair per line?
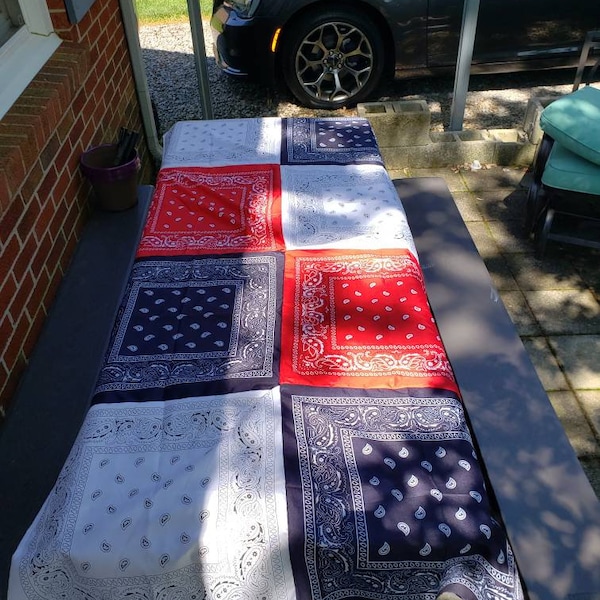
[453,177]
[590,401]
[467,206]
[483,240]
[494,178]
[591,467]
[545,364]
[508,234]
[501,274]
[560,318]
[496,205]
[534,274]
[520,313]
[574,421]
[565,311]
[578,357]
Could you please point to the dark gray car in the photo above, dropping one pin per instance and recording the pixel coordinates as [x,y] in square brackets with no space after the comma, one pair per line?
[333,53]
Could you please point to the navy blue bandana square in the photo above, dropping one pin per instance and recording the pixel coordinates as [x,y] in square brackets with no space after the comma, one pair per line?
[195,326]
[328,141]
[386,497]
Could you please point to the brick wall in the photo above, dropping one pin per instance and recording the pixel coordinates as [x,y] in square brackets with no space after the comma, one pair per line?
[80,98]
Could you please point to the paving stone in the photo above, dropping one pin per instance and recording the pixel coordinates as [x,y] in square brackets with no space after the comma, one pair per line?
[467,206]
[520,313]
[587,264]
[591,467]
[534,274]
[501,274]
[508,234]
[503,204]
[453,178]
[590,400]
[578,357]
[546,366]
[482,238]
[565,311]
[575,424]
[561,292]
[494,178]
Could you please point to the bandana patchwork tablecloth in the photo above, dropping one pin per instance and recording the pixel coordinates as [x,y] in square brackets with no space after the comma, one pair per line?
[276,416]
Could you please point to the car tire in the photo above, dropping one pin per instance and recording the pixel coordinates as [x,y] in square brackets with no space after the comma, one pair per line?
[332,58]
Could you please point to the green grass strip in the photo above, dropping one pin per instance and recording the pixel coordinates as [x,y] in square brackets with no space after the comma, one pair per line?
[167,11]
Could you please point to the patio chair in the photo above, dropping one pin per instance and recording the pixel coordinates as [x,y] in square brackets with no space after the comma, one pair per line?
[563,202]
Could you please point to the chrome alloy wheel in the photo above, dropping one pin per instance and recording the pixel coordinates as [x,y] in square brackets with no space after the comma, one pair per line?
[334,61]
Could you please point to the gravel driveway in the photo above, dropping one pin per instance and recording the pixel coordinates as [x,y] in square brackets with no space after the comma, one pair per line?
[493,101]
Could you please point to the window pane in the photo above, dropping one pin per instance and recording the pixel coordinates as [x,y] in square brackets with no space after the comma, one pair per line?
[10,19]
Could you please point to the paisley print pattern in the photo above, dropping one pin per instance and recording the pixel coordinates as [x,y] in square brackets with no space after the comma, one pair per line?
[202,211]
[386,493]
[166,499]
[275,417]
[328,141]
[223,142]
[360,320]
[351,206]
[191,325]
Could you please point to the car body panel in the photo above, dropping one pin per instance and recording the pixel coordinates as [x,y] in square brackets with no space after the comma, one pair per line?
[512,30]
[424,35]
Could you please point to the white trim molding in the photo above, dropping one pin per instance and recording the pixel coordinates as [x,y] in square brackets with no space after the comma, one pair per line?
[26,52]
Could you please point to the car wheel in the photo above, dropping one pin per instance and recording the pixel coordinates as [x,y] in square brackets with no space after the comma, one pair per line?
[332,58]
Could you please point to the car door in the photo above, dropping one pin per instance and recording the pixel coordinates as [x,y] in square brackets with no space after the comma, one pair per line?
[512,30]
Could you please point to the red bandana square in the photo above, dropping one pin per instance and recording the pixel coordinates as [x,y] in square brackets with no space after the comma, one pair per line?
[213,210]
[359,319]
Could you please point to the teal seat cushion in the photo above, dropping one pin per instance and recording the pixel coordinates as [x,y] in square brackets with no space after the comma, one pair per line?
[574,122]
[568,171]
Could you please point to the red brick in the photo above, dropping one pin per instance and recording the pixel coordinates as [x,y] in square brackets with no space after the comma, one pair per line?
[5,398]
[56,252]
[17,307]
[48,154]
[13,127]
[41,285]
[32,181]
[21,264]
[56,5]
[34,332]
[35,106]
[55,280]
[52,132]
[4,192]
[69,250]
[47,97]
[9,254]
[8,289]
[33,115]
[13,165]
[47,185]
[14,342]
[28,218]
[93,33]
[65,126]
[6,330]
[58,217]
[13,215]
[40,258]
[68,158]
